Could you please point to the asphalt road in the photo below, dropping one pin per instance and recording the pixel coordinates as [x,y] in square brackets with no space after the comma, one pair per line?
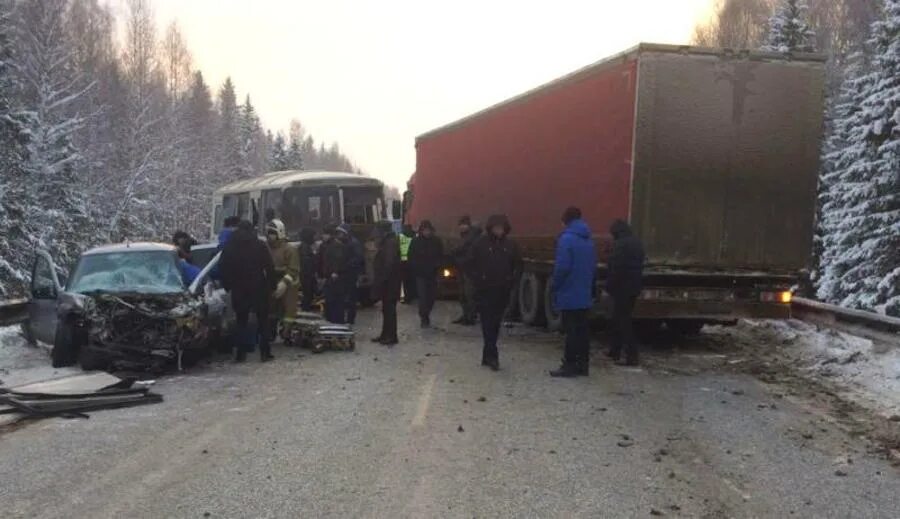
[421,430]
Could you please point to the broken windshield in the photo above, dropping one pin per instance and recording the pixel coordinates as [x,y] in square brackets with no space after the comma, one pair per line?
[146,272]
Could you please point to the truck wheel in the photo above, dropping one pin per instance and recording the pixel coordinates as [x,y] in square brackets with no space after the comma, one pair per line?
[65,352]
[554,318]
[531,299]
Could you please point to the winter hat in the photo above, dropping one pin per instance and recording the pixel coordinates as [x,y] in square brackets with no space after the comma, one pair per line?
[498,219]
[426,224]
[570,214]
[344,228]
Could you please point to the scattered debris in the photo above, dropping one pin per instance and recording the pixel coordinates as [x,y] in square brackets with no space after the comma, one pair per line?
[625,443]
[654,511]
[737,392]
[72,397]
[482,399]
[460,429]
[354,379]
[840,473]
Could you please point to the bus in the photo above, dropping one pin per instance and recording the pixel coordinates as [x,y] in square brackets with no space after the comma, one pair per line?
[307,199]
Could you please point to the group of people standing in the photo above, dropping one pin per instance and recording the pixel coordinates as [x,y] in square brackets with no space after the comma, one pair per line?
[267,278]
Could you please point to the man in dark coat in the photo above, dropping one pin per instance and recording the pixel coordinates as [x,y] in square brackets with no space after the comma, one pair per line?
[354,268]
[496,265]
[426,255]
[388,277]
[308,268]
[572,291]
[249,275]
[623,282]
[333,255]
[462,258]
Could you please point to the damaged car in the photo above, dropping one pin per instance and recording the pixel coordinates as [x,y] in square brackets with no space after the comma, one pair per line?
[124,307]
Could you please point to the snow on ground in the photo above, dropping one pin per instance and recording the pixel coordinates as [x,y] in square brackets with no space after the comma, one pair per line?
[21,363]
[866,372]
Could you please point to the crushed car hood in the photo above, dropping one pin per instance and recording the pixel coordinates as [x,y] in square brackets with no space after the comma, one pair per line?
[145,332]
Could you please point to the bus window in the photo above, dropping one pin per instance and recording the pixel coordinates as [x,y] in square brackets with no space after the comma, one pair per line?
[271,199]
[308,207]
[236,205]
[361,204]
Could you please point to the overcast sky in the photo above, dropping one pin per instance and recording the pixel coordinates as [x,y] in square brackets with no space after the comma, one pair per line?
[374,74]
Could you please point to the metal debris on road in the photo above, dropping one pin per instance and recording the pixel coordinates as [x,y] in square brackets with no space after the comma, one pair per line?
[73,397]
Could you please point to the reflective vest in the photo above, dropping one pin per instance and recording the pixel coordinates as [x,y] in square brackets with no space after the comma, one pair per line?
[405,242]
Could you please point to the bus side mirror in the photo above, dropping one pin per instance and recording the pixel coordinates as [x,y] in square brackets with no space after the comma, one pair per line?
[396,209]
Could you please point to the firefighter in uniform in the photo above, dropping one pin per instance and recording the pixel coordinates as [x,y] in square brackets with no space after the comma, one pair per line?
[287,271]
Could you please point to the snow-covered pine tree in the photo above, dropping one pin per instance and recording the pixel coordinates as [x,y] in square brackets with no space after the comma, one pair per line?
[279,158]
[51,86]
[13,258]
[228,137]
[295,154]
[253,141]
[789,29]
[861,202]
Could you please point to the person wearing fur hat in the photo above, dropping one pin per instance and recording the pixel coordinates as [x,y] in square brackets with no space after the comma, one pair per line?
[496,265]
[426,254]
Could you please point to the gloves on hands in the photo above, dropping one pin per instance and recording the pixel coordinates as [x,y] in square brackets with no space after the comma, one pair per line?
[281,289]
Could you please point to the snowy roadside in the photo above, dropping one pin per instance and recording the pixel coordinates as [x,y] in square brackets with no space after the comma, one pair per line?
[21,363]
[861,371]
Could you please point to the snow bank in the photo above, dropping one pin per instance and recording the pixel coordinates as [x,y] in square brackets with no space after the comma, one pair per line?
[21,363]
[866,372]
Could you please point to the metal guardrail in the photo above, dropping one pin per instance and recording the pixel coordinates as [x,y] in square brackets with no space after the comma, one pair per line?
[14,311]
[859,322]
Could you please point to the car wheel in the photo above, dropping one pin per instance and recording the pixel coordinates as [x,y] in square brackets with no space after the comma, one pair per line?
[65,351]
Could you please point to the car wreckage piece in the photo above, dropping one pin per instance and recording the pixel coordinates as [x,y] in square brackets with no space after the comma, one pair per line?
[311,331]
[56,399]
[142,332]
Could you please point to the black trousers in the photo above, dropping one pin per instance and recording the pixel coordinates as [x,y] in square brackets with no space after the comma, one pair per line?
[388,319]
[578,338]
[623,329]
[409,283]
[243,306]
[426,289]
[467,296]
[351,295]
[308,286]
[492,303]
[335,301]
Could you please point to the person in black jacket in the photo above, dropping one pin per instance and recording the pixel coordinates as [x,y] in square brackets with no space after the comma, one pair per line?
[333,255]
[623,283]
[388,277]
[426,253]
[308,268]
[354,268]
[496,265]
[248,274]
[462,258]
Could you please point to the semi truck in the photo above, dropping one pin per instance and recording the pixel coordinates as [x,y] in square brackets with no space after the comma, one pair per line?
[712,155]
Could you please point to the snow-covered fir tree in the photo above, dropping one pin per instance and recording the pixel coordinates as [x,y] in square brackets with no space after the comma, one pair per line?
[51,86]
[789,29]
[295,154]
[861,199]
[279,158]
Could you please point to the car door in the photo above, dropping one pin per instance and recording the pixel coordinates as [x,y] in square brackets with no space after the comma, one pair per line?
[45,289]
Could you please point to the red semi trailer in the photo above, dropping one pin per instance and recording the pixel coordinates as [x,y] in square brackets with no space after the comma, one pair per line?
[711,154]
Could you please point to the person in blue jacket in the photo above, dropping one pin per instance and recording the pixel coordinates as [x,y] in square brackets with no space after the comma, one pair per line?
[572,291]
